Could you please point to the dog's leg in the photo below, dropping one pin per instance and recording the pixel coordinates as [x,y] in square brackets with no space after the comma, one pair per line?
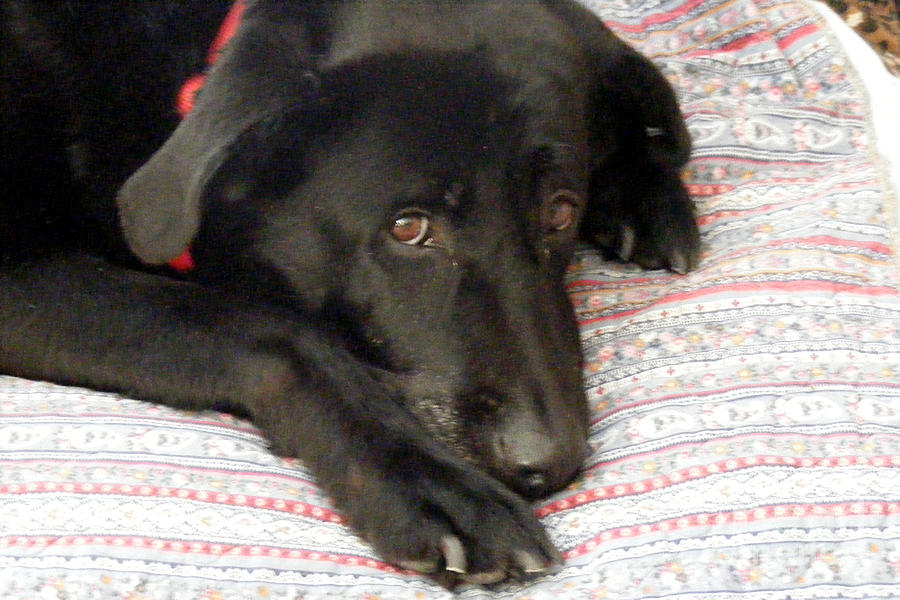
[639,209]
[83,322]
[641,212]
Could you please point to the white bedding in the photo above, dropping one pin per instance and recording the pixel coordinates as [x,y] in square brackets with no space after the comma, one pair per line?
[883,91]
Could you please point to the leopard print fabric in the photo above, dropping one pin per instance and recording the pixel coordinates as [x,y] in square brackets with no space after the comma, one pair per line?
[878,21]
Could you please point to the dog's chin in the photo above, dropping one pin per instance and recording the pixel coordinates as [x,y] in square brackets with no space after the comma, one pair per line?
[533,483]
[534,468]
[529,484]
[526,450]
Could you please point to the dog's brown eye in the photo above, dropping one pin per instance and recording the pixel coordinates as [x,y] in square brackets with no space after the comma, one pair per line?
[411,229]
[561,211]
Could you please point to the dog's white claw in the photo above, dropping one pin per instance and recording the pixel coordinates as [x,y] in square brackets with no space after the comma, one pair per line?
[529,563]
[454,554]
[419,566]
[679,262]
[486,578]
[627,239]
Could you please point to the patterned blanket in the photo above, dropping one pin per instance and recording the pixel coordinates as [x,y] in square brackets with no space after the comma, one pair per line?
[746,417]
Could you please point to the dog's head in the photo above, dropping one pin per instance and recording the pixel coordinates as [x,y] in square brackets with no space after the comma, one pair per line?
[421,193]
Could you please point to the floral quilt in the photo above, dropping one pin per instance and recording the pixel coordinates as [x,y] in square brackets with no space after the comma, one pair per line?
[746,416]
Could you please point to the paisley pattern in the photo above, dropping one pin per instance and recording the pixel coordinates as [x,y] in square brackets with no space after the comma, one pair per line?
[746,417]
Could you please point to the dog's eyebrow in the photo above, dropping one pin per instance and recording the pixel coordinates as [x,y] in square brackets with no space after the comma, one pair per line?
[435,195]
[548,157]
[453,194]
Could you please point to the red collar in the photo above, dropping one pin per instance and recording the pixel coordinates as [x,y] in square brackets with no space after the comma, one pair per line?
[187,95]
[184,102]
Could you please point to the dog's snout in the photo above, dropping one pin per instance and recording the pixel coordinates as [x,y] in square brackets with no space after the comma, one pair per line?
[550,472]
[535,463]
[532,483]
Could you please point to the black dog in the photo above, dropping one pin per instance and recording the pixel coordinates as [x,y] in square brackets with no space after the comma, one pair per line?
[380,198]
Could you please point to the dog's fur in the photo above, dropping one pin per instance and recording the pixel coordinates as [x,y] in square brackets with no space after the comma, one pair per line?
[421,382]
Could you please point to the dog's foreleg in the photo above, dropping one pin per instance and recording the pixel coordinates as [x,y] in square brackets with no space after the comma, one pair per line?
[83,322]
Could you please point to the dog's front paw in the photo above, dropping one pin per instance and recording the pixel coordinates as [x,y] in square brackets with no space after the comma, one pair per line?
[646,218]
[452,523]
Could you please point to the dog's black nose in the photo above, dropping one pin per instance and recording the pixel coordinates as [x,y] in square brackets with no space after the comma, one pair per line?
[532,458]
[532,483]
[540,469]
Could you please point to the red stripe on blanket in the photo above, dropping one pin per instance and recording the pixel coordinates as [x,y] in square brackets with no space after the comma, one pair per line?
[297,477]
[730,465]
[740,44]
[843,510]
[148,491]
[767,287]
[655,18]
[747,389]
[788,40]
[194,547]
[733,441]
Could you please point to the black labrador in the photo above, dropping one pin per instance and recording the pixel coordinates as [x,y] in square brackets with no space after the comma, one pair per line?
[379,198]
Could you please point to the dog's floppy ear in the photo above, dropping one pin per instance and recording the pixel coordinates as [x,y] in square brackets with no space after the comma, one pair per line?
[263,71]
